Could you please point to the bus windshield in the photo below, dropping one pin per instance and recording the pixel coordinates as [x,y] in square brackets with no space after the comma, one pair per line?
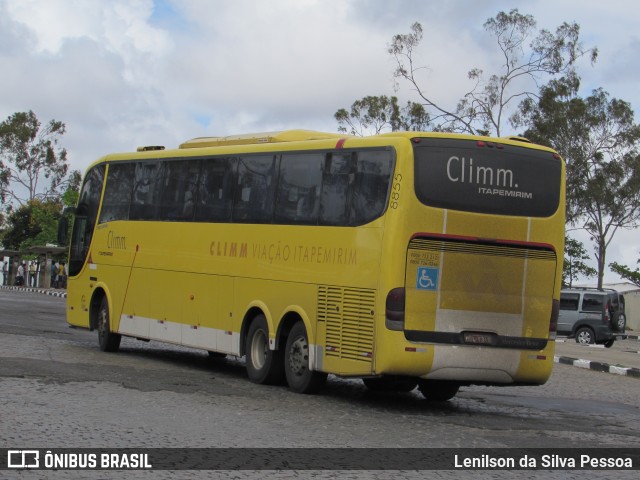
[485,177]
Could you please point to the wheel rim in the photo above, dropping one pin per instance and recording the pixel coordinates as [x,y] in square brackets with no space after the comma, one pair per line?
[259,350]
[584,337]
[299,356]
[621,322]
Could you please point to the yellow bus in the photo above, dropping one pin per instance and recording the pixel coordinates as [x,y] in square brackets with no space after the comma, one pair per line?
[405,259]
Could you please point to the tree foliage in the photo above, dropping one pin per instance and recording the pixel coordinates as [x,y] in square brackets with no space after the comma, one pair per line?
[626,272]
[600,142]
[72,193]
[32,163]
[574,266]
[528,57]
[35,223]
[375,114]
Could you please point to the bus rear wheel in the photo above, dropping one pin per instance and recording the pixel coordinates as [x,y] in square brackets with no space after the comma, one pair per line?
[296,363]
[108,340]
[438,390]
[264,366]
[390,384]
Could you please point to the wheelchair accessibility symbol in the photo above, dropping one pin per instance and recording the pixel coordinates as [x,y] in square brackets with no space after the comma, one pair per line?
[427,278]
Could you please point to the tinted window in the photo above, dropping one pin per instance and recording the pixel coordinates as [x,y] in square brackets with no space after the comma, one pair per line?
[216,187]
[147,189]
[330,188]
[179,190]
[298,197]
[592,303]
[117,193]
[509,180]
[615,304]
[255,191]
[569,301]
[337,183]
[86,216]
[371,189]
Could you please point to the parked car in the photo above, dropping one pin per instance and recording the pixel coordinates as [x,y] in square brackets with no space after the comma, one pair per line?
[591,315]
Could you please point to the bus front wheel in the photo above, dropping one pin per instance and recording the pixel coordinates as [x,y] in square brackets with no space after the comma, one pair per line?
[264,366]
[109,341]
[296,363]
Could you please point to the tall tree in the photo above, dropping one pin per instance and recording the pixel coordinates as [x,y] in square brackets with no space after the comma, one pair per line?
[600,142]
[32,163]
[528,58]
[574,266]
[375,114]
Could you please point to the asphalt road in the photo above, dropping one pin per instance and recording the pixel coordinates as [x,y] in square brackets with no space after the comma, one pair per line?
[57,390]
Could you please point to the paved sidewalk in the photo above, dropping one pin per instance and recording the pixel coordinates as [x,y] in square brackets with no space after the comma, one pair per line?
[623,358]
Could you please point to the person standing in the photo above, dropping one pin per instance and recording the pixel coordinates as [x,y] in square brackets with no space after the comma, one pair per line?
[32,274]
[20,275]
[62,276]
[54,275]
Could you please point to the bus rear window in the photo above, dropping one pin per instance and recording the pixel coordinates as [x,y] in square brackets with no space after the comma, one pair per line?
[486,177]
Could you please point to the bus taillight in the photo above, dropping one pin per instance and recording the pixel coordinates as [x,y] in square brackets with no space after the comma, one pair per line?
[553,324]
[394,311]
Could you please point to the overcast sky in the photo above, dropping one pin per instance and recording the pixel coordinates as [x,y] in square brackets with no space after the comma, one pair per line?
[125,73]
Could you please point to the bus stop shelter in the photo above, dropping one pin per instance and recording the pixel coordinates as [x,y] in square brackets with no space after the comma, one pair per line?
[45,261]
[45,258]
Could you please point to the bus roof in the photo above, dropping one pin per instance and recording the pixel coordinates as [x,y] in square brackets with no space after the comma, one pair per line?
[256,138]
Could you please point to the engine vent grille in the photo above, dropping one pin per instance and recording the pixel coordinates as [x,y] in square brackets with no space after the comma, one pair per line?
[349,316]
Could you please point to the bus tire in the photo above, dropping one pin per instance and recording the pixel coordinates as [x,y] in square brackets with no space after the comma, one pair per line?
[296,363]
[264,366]
[390,384]
[438,390]
[108,340]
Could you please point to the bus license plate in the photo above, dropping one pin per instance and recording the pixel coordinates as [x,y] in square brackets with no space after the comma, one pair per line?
[479,338]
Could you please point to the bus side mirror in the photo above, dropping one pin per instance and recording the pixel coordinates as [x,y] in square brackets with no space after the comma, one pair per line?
[63,230]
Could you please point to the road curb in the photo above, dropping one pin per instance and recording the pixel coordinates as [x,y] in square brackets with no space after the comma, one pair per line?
[598,366]
[52,293]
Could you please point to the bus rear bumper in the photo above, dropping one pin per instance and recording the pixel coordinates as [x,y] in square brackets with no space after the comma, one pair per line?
[469,364]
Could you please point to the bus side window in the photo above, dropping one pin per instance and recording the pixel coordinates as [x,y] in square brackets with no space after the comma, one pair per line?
[147,188]
[298,196]
[178,194]
[215,190]
[254,195]
[372,184]
[117,193]
[337,182]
